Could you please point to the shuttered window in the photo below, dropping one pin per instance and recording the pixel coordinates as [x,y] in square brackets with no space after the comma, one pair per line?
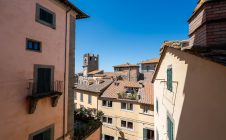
[169,79]
[169,128]
[45,16]
[148,134]
[44,80]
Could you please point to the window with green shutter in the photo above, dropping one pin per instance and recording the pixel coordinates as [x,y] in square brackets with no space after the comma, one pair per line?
[169,128]
[169,79]
[148,134]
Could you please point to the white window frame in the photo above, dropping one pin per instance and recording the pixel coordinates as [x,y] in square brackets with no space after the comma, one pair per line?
[146,109]
[126,109]
[107,120]
[107,104]
[127,125]
[81,95]
[90,97]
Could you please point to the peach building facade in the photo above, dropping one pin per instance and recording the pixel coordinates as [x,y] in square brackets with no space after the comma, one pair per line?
[37,61]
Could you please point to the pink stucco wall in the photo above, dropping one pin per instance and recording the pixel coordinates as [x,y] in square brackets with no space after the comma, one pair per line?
[17,22]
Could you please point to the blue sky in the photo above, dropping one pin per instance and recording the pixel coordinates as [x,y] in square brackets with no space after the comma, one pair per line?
[122,31]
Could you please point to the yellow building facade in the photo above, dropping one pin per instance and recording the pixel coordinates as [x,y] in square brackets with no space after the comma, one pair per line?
[126,118]
[137,117]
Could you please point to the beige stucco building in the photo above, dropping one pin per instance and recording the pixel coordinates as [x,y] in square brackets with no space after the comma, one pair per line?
[87,92]
[128,111]
[37,64]
[189,82]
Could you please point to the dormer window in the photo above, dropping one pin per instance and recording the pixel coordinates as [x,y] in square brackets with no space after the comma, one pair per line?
[131,90]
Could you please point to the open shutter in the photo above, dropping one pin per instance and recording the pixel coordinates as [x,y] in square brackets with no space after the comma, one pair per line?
[170,128]
[145,133]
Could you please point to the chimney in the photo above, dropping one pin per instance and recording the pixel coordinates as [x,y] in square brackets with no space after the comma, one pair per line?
[207,25]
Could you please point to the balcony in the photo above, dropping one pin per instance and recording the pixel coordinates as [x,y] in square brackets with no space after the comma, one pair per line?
[39,91]
[129,96]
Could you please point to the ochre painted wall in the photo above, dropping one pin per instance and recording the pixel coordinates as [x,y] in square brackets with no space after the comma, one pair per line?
[136,116]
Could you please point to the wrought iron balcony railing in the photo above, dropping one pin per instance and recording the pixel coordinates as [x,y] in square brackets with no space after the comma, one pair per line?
[38,91]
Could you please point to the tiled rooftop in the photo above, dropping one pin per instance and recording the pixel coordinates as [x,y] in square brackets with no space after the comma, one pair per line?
[95,72]
[95,86]
[126,65]
[150,61]
[118,87]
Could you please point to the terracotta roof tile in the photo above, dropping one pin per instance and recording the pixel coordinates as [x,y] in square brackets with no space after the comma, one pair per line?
[126,65]
[95,72]
[115,74]
[119,87]
[154,60]
[95,87]
[147,94]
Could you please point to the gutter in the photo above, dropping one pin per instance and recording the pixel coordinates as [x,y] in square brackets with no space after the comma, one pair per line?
[80,15]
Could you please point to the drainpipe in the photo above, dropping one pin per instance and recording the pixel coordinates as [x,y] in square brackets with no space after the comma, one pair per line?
[65,61]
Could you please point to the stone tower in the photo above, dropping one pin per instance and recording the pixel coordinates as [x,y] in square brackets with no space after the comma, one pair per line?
[90,63]
[207,25]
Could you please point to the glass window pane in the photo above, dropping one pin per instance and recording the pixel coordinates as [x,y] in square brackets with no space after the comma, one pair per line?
[123,123]
[29,45]
[104,119]
[90,99]
[130,125]
[46,16]
[109,103]
[130,106]
[104,103]
[110,120]
[35,46]
[123,105]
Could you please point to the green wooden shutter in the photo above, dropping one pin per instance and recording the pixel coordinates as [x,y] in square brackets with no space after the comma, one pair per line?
[145,133]
[157,105]
[169,79]
[169,128]
[44,80]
